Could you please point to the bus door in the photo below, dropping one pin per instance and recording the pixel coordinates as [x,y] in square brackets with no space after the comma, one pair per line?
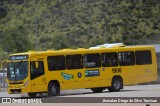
[110,67]
[38,79]
[92,70]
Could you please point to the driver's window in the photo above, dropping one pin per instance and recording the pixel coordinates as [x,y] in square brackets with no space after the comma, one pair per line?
[36,71]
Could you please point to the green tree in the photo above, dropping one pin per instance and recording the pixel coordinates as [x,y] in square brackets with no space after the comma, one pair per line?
[84,23]
[3,12]
[3,56]
[59,42]
[15,41]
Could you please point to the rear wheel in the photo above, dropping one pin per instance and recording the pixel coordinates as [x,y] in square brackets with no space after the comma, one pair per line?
[117,84]
[97,90]
[53,89]
[32,95]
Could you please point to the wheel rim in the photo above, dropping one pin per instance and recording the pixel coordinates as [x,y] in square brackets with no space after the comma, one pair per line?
[116,84]
[53,90]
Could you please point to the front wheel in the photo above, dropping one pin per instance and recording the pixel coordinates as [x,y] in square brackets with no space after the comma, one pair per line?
[53,89]
[117,84]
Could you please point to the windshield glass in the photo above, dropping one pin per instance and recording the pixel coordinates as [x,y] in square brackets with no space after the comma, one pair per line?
[17,70]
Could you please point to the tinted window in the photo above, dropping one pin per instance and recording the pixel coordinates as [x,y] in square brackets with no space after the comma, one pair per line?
[109,59]
[126,58]
[143,57]
[92,60]
[36,71]
[74,61]
[56,63]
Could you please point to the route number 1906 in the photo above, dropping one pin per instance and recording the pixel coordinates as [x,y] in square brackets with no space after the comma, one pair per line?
[116,70]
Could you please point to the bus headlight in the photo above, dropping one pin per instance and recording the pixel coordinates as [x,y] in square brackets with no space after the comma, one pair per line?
[26,83]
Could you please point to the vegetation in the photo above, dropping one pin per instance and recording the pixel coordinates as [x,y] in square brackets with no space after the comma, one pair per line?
[77,23]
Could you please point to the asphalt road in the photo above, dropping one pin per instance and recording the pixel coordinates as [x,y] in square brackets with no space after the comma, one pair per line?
[128,91]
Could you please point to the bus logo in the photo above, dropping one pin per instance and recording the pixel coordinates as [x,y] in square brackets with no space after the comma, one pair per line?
[67,76]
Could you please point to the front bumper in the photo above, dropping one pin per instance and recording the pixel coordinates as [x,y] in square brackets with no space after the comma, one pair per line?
[18,89]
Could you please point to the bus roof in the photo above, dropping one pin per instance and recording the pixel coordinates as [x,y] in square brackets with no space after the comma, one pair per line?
[83,50]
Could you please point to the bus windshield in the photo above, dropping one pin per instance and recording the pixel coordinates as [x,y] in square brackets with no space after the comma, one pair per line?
[17,70]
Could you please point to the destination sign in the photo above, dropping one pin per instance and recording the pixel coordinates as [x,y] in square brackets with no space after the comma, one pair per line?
[18,57]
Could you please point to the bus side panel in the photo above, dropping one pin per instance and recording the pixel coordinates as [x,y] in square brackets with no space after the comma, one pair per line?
[128,75]
[147,73]
[77,78]
[141,73]
[81,80]
[97,80]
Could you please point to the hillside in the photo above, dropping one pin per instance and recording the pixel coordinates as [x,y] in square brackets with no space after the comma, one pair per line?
[77,23]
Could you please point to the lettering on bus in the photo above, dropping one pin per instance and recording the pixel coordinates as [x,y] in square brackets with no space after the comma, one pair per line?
[18,57]
[91,73]
[67,76]
[116,70]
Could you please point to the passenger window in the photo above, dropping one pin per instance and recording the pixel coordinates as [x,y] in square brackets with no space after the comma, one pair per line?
[56,63]
[126,58]
[109,59]
[143,57]
[92,60]
[74,61]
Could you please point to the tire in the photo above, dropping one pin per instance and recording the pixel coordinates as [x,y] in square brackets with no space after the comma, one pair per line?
[117,84]
[53,89]
[97,90]
[32,95]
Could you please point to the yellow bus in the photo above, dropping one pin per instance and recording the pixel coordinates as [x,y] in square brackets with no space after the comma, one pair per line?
[97,68]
